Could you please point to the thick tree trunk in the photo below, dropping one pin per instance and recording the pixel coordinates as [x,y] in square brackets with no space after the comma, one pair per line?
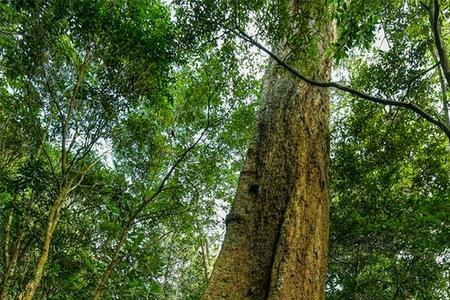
[277,232]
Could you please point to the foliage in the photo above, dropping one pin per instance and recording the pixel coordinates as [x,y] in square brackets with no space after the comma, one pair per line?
[151,109]
[390,175]
[99,82]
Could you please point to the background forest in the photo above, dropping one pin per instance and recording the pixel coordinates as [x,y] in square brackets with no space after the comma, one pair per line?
[124,124]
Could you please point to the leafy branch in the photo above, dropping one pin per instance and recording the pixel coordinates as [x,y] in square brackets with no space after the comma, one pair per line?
[146,201]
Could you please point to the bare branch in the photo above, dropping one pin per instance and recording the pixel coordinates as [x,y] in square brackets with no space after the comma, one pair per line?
[410,106]
[89,143]
[37,128]
[74,137]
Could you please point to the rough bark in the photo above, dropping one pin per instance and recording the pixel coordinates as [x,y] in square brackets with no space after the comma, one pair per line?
[277,231]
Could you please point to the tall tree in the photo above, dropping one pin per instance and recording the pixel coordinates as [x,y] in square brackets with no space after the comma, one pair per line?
[262,226]
[75,81]
[80,76]
[277,231]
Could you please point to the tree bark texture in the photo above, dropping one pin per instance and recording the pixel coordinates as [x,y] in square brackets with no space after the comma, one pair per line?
[277,231]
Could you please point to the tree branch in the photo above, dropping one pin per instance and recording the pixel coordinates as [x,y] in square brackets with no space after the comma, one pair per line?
[442,83]
[410,106]
[147,200]
[442,53]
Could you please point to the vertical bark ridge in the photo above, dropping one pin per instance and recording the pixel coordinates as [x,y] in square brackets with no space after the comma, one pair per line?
[277,231]
[231,277]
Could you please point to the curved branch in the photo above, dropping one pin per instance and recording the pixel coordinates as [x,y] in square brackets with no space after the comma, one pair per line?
[410,106]
[435,27]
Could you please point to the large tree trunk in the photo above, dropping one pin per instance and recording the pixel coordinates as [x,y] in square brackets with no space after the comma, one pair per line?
[277,231]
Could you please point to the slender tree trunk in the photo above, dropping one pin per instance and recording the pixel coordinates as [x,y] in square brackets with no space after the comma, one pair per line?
[16,250]
[112,264]
[205,254]
[434,10]
[11,266]
[439,54]
[52,222]
[7,237]
[9,263]
[277,231]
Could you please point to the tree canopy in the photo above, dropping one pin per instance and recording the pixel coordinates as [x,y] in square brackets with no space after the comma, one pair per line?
[124,125]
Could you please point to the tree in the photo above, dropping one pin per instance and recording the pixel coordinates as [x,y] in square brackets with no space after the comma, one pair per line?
[148,201]
[75,80]
[251,250]
[276,241]
[390,172]
[171,96]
